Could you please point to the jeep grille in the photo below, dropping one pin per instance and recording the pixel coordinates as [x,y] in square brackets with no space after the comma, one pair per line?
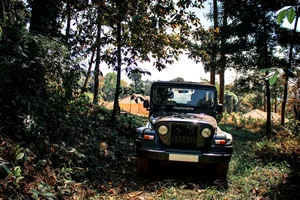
[184,136]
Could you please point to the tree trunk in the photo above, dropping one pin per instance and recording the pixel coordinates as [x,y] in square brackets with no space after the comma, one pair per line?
[283,103]
[223,56]
[97,66]
[275,103]
[88,73]
[116,108]
[214,54]
[266,65]
[68,20]
[286,74]
[268,124]
[263,102]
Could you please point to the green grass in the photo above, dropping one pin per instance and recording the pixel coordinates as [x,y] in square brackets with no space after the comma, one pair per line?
[250,176]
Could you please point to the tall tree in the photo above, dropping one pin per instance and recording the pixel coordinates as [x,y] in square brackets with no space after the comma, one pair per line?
[88,73]
[108,86]
[68,13]
[137,83]
[290,59]
[214,50]
[252,40]
[120,6]
[97,66]
[223,53]
[265,64]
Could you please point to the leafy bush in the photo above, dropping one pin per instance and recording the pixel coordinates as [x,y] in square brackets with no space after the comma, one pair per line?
[36,84]
[294,127]
[238,120]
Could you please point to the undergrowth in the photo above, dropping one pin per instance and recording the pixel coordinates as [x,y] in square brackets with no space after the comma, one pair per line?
[82,159]
[95,159]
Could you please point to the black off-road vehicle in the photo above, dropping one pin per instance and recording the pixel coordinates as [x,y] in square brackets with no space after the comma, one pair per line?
[182,127]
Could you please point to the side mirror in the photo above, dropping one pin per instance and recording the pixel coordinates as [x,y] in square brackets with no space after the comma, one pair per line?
[146,104]
[220,108]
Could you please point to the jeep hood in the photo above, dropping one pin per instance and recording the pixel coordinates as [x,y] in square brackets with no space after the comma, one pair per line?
[183,117]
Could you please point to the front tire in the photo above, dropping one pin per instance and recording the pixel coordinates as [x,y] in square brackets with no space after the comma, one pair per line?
[145,166]
[142,166]
[222,170]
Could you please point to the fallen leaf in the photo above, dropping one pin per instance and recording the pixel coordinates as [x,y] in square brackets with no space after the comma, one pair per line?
[201,191]
[134,194]
[160,190]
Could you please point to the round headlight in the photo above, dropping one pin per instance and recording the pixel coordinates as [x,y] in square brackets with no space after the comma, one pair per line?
[163,129]
[206,132]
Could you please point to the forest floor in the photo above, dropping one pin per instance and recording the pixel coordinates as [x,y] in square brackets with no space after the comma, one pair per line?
[102,165]
[260,168]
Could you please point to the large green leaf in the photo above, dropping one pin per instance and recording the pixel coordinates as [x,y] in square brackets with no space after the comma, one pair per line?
[20,156]
[291,15]
[273,78]
[281,16]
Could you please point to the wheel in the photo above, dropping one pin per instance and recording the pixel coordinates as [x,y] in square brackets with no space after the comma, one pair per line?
[222,170]
[142,166]
[145,166]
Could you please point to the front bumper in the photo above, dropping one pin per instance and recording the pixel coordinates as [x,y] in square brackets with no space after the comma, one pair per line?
[211,157]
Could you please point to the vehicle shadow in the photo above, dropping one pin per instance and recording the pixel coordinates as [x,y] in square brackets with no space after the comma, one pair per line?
[192,176]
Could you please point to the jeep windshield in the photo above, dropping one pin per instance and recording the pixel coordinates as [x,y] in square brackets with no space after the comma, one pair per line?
[196,97]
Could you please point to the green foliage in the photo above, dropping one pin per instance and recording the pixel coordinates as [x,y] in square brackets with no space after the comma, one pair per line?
[275,73]
[288,13]
[281,16]
[274,77]
[137,83]
[39,79]
[17,174]
[19,154]
[43,191]
[291,15]
[127,124]
[45,17]
[249,89]
[108,87]
[230,102]
[294,127]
